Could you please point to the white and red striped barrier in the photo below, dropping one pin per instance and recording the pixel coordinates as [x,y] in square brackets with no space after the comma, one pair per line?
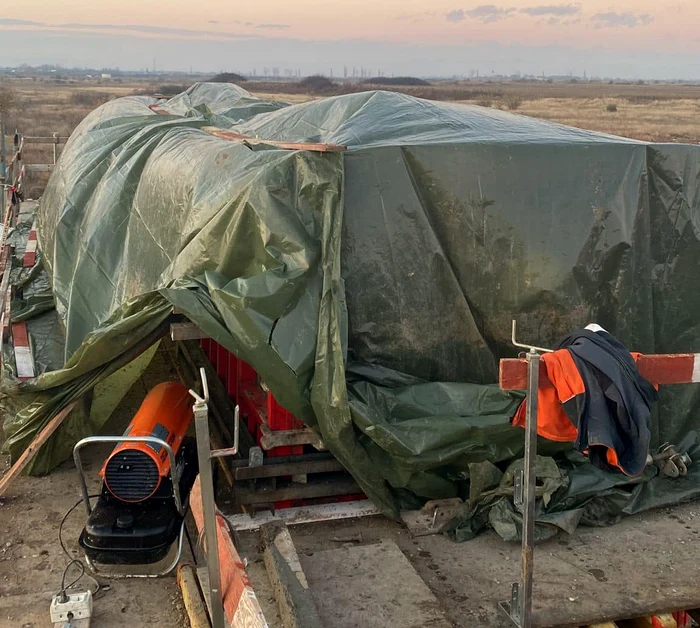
[30,251]
[24,360]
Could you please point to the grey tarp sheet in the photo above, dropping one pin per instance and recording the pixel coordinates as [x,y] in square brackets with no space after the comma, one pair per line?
[373,289]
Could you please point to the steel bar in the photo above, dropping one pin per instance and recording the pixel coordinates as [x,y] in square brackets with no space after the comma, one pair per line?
[201,420]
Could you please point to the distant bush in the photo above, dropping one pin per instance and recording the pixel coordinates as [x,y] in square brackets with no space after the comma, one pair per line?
[513,102]
[397,80]
[641,99]
[89,98]
[485,103]
[170,90]
[228,77]
[317,83]
[611,108]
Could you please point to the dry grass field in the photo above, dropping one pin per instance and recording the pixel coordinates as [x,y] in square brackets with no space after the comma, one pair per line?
[649,112]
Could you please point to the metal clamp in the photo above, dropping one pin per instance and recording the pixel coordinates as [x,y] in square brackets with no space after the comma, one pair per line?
[671,463]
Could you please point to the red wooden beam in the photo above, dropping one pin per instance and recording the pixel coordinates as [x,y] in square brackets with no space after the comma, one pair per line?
[669,368]
[159,110]
[315,147]
[241,607]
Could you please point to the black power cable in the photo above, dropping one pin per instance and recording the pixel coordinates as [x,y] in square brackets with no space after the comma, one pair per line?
[71,561]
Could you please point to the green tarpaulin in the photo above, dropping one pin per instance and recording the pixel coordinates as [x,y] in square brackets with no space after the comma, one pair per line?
[373,289]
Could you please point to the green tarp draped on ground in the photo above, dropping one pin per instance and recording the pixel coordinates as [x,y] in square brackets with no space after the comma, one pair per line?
[373,289]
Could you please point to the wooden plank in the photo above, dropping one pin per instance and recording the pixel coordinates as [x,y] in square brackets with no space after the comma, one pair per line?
[278,470]
[34,447]
[186,331]
[39,167]
[241,606]
[284,438]
[191,597]
[289,585]
[5,290]
[305,514]
[236,137]
[311,490]
[159,110]
[55,139]
[673,368]
[24,359]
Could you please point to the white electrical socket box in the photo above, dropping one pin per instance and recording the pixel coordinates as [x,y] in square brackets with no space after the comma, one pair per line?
[78,607]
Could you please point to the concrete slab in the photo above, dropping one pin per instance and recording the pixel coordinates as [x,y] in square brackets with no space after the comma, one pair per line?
[645,564]
[373,586]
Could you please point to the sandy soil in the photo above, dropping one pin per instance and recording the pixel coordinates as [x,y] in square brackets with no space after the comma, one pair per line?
[31,559]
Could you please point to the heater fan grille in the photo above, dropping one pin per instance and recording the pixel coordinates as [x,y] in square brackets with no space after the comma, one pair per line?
[132,475]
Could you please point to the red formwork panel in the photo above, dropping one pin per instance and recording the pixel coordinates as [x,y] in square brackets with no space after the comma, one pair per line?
[256,404]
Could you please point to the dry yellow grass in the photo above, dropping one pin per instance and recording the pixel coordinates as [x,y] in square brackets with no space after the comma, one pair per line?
[657,113]
[656,121]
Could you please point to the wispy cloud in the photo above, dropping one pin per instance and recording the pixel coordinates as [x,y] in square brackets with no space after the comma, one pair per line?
[613,19]
[488,13]
[143,29]
[273,26]
[146,28]
[557,10]
[456,15]
[8,21]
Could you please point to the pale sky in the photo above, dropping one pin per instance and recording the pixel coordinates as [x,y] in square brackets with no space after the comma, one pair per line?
[635,38]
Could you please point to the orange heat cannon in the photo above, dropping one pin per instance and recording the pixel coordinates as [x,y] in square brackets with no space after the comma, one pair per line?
[140,511]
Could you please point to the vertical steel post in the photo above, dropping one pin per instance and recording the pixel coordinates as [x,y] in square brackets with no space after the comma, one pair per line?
[201,422]
[529,485]
[3,156]
[519,609]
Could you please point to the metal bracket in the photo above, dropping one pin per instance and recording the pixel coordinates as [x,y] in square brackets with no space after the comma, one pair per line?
[519,608]
[520,345]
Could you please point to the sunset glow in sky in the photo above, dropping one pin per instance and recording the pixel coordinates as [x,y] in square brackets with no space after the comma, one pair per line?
[628,26]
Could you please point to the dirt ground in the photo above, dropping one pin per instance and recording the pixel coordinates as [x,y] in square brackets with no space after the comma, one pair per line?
[31,559]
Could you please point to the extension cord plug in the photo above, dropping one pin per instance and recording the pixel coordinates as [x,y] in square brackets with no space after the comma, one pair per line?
[78,606]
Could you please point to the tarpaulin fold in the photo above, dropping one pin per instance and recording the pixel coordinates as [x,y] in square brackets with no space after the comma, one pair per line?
[373,289]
